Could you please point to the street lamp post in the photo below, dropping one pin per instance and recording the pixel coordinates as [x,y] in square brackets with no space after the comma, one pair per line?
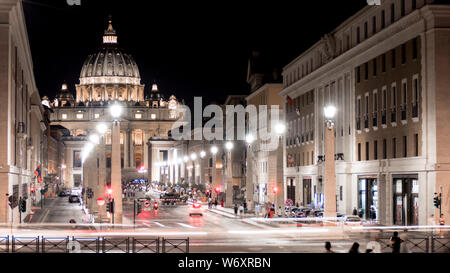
[330,167]
[116,167]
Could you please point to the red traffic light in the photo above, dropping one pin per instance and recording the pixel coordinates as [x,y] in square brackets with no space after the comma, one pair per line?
[275,189]
[155,205]
[217,190]
[109,191]
[32,189]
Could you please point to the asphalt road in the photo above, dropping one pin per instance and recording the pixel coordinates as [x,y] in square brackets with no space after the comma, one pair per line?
[211,232]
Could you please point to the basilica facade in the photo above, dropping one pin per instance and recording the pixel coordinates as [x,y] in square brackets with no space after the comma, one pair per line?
[108,77]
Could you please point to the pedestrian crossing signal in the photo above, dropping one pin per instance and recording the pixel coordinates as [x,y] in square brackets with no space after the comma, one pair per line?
[437,201]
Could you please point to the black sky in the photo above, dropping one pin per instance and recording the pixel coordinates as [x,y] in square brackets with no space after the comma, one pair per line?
[190,48]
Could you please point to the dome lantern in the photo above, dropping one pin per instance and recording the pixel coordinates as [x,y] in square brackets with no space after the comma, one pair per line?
[110,36]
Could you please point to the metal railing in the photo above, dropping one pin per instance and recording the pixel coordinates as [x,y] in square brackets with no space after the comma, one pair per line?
[25,244]
[92,245]
[54,245]
[175,245]
[4,244]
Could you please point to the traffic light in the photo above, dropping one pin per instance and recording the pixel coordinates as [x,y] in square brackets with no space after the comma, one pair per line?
[23,205]
[275,189]
[111,209]
[437,201]
[108,206]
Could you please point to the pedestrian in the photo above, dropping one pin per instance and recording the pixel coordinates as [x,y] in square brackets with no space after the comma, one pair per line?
[221,203]
[235,209]
[328,248]
[279,213]
[215,203]
[355,212]
[354,248]
[395,243]
[241,210]
[245,207]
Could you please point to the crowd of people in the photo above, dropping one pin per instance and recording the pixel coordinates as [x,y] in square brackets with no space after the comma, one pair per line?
[397,244]
[130,188]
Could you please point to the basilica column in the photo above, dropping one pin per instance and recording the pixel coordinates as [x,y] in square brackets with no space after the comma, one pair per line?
[145,151]
[132,152]
[126,146]
[116,172]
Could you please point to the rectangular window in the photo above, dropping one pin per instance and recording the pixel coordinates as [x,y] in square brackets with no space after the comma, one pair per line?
[79,116]
[394,148]
[367,151]
[414,4]
[405,146]
[375,67]
[403,4]
[383,19]
[403,53]
[416,144]
[358,35]
[415,41]
[64,116]
[366,71]
[359,151]
[405,93]
[394,57]
[366,30]
[375,150]
[392,13]
[358,74]
[374,24]
[383,63]
[384,98]
[384,149]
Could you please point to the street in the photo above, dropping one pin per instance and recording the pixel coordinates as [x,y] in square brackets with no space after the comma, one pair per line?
[212,232]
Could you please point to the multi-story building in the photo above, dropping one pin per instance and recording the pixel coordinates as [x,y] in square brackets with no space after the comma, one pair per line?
[385,71]
[264,163]
[22,121]
[210,163]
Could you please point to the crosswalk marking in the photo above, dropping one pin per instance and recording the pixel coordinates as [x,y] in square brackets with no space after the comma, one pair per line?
[184,225]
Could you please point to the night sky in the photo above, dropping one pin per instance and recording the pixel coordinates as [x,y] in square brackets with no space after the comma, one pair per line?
[190,48]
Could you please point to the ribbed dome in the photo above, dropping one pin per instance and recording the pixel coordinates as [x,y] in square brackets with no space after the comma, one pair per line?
[110,61]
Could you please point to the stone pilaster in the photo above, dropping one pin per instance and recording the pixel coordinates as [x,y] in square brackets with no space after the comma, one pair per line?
[330,174]
[116,173]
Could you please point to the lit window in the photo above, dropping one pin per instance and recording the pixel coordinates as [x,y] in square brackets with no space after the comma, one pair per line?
[64,116]
[97,116]
[79,116]
[138,116]
[153,116]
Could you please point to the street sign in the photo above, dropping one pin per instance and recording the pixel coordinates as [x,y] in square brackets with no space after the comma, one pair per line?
[289,203]
[100,201]
[147,204]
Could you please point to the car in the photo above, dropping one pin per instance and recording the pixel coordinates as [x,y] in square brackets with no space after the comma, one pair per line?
[74,199]
[352,220]
[196,209]
[62,194]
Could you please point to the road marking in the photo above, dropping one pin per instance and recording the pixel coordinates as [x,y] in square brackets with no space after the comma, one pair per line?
[186,226]
[159,224]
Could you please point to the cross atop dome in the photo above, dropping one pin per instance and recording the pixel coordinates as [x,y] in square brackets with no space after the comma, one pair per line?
[110,36]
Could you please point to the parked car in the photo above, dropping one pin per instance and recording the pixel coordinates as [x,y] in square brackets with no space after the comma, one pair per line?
[74,199]
[62,194]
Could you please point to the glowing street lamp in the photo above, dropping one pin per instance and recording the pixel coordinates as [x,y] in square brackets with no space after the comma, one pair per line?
[116,110]
[229,146]
[193,156]
[102,128]
[202,154]
[280,129]
[214,150]
[249,139]
[186,159]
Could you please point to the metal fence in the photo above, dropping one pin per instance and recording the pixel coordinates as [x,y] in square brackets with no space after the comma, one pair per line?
[420,245]
[92,245]
[175,245]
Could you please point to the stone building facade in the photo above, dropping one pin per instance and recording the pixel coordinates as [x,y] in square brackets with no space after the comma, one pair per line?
[22,120]
[385,71]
